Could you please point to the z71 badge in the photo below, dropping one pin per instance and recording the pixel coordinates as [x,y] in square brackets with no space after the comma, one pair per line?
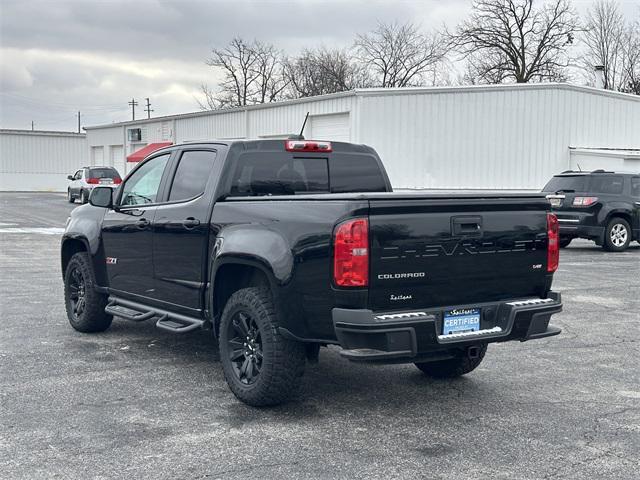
[111,260]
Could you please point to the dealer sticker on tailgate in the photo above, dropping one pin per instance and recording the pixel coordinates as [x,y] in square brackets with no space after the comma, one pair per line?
[461,320]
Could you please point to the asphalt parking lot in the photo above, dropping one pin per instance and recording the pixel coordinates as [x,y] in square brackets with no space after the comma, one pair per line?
[141,403]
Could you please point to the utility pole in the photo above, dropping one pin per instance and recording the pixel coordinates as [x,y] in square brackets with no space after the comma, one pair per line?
[78,121]
[32,125]
[133,104]
[148,109]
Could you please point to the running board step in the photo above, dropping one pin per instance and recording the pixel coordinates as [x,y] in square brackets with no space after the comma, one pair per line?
[127,313]
[178,326]
[168,321]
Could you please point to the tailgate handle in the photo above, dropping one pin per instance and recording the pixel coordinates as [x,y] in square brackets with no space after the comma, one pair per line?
[466,225]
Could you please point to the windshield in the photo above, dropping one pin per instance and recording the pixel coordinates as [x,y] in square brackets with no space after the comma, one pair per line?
[577,183]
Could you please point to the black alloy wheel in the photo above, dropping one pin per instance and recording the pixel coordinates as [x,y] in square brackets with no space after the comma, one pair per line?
[77,292]
[245,347]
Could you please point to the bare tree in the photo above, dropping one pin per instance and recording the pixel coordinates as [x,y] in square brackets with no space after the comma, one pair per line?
[511,40]
[399,55]
[252,74]
[269,68]
[604,36]
[631,59]
[320,71]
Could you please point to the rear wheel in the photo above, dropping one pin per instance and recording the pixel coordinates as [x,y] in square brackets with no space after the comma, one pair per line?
[70,198]
[260,365]
[617,235]
[454,367]
[84,197]
[565,241]
[85,306]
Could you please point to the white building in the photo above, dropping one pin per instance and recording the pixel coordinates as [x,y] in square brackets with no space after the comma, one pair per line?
[39,160]
[498,136]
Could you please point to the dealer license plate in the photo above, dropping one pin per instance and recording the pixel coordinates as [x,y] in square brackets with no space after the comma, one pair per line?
[461,320]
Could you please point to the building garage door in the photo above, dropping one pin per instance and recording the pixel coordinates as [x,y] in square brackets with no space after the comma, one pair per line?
[117,158]
[330,127]
[97,155]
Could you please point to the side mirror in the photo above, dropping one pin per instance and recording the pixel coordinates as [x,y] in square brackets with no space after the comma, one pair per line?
[101,197]
[70,177]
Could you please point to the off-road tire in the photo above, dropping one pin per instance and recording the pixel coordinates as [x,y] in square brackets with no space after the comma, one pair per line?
[454,367]
[616,223]
[92,318]
[84,197]
[283,360]
[70,198]
[564,242]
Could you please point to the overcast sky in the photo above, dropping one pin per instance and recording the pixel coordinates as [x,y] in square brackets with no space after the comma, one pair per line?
[58,57]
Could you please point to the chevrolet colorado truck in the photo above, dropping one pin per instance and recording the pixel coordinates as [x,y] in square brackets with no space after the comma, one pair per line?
[283,246]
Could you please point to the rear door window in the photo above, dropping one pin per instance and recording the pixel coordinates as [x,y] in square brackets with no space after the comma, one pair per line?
[192,174]
[611,184]
[635,187]
[576,183]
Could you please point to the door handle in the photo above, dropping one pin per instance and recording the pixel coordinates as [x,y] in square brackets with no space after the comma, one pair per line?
[190,223]
[143,223]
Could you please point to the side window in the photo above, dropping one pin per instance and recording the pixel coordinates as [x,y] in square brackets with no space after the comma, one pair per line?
[607,184]
[191,175]
[635,187]
[142,186]
[78,175]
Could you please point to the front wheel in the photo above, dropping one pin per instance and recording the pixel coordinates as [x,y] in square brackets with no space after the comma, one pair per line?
[85,306]
[453,367]
[617,235]
[260,366]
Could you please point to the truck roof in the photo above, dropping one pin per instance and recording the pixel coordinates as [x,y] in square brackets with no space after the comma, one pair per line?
[273,144]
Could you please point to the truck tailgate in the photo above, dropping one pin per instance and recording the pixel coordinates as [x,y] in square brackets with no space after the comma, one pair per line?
[438,252]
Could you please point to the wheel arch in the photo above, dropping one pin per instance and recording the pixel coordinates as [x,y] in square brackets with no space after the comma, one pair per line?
[72,244]
[232,273]
[624,214]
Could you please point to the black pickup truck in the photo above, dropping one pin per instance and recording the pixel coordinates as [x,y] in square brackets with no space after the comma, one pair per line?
[283,246]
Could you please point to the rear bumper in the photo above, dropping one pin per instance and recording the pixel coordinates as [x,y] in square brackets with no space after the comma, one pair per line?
[582,231]
[579,224]
[410,336]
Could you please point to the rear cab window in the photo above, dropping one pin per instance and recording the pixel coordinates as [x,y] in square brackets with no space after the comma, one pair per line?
[279,173]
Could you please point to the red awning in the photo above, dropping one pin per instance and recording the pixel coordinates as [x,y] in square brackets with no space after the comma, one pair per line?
[144,152]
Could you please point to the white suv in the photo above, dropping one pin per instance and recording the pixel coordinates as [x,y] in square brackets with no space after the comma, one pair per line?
[83,181]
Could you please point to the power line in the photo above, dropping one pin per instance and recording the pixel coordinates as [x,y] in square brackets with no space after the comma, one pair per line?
[133,104]
[148,109]
[49,103]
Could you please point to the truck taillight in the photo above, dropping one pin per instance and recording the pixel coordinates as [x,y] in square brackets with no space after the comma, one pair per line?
[351,253]
[584,201]
[93,180]
[553,246]
[307,146]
